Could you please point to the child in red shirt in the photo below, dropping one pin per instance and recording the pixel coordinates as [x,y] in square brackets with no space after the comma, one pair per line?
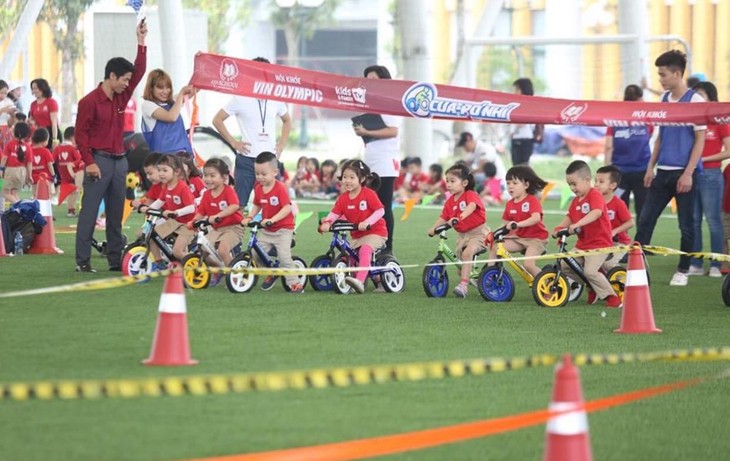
[177,204]
[15,165]
[607,180]
[436,183]
[42,164]
[67,159]
[492,186]
[359,204]
[525,210]
[194,175]
[219,205]
[271,198]
[416,181]
[152,173]
[466,206]
[587,216]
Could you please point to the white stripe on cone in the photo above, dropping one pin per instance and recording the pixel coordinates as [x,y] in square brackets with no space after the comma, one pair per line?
[172,303]
[636,278]
[45,207]
[571,423]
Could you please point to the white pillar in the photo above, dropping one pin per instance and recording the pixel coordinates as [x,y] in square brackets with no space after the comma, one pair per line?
[172,38]
[416,31]
[632,19]
[563,73]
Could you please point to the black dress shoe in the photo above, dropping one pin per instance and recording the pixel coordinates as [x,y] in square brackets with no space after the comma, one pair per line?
[84,268]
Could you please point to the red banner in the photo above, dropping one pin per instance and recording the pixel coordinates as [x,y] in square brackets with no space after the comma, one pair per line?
[425,100]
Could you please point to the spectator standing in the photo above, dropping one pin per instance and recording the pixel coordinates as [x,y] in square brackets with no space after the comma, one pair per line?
[257,123]
[382,156]
[44,110]
[99,128]
[627,148]
[710,186]
[522,135]
[676,155]
[7,106]
[164,120]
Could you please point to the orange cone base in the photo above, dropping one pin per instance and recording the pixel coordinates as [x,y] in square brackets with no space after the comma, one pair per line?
[45,251]
[170,347]
[568,447]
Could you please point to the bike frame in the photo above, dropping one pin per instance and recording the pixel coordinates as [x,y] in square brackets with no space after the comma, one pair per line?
[570,261]
[446,253]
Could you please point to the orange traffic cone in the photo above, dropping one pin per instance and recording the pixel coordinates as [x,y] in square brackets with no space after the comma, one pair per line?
[45,242]
[2,239]
[567,433]
[171,346]
[638,314]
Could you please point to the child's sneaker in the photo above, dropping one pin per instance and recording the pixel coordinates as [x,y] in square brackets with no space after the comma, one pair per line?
[614,302]
[714,272]
[269,282]
[679,279]
[215,280]
[296,288]
[461,290]
[695,270]
[355,284]
[591,297]
[158,266]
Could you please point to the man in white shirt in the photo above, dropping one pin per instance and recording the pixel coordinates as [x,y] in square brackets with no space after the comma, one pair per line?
[479,153]
[257,123]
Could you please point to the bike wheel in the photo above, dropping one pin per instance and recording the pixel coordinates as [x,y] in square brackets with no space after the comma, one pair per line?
[726,290]
[338,278]
[496,284]
[240,282]
[617,278]
[194,277]
[392,277]
[549,290]
[576,289]
[301,279]
[435,279]
[321,282]
[137,260]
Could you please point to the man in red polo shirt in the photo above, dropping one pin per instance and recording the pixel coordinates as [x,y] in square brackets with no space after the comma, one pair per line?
[99,128]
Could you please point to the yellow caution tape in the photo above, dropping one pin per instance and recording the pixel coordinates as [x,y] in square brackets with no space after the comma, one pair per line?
[108,283]
[219,384]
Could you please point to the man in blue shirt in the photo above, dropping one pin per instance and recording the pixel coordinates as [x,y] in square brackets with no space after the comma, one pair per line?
[676,154]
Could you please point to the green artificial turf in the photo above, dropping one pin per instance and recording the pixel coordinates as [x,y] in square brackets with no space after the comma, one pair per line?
[105,334]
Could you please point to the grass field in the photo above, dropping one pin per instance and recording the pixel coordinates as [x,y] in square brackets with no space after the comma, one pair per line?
[105,334]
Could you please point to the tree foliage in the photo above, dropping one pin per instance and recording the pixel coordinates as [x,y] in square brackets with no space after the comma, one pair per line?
[9,14]
[220,19]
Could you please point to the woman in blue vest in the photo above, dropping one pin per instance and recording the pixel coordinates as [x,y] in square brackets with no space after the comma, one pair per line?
[164,123]
[627,148]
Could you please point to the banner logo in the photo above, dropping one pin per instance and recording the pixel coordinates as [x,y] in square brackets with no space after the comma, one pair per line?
[350,95]
[572,112]
[421,100]
[228,70]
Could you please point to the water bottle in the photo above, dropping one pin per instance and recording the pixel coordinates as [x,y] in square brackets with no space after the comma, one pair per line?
[18,244]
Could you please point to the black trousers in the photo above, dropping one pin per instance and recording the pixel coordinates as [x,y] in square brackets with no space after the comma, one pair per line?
[634,182]
[521,151]
[385,194]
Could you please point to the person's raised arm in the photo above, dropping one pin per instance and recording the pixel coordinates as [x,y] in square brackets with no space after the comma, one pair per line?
[285,129]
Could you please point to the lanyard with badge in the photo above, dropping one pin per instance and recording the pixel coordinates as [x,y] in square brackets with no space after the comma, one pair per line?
[263,136]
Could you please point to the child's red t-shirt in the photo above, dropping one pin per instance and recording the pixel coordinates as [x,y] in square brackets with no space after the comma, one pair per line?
[598,233]
[360,208]
[524,209]
[196,185]
[65,155]
[154,192]
[176,198]
[271,203]
[212,205]
[454,206]
[41,158]
[618,213]
[11,154]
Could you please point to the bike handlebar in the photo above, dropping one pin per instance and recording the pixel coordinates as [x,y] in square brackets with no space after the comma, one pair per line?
[154,212]
[343,226]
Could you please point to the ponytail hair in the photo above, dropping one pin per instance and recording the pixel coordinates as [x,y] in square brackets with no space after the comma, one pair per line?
[21,131]
[363,173]
[461,171]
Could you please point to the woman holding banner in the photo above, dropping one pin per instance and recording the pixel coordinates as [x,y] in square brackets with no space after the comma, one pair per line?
[382,144]
[164,120]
